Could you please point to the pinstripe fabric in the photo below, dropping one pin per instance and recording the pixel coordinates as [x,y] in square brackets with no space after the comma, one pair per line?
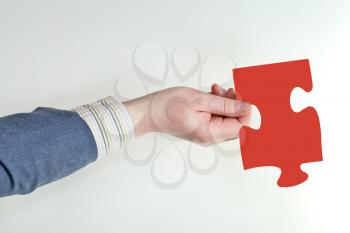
[109,122]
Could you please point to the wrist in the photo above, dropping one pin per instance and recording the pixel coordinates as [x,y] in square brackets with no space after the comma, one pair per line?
[138,110]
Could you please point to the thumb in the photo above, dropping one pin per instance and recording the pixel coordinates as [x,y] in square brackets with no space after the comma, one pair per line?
[223,106]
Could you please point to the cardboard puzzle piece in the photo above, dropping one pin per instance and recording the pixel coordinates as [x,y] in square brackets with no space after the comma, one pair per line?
[285,139]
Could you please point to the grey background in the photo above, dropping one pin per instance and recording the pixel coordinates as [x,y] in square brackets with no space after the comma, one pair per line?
[66,53]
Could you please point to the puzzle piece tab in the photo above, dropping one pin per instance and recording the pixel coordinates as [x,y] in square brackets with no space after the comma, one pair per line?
[285,139]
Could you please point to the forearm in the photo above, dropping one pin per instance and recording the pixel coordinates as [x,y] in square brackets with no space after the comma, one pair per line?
[47,144]
[40,147]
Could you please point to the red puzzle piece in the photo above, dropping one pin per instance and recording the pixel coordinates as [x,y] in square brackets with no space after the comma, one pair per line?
[286,139]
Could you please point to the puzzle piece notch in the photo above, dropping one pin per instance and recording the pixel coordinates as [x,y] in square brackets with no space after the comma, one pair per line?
[285,139]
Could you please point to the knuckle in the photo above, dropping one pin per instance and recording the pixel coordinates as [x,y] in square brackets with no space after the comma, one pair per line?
[196,98]
[228,106]
[203,139]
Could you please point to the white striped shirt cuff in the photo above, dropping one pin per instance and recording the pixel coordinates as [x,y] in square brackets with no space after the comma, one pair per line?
[109,122]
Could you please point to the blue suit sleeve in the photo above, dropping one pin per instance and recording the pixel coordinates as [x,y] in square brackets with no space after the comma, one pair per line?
[40,147]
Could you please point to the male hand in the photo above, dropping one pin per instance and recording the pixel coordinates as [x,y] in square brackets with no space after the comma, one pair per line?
[204,118]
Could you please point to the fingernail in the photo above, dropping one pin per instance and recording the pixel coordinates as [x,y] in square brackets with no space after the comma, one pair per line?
[242,106]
